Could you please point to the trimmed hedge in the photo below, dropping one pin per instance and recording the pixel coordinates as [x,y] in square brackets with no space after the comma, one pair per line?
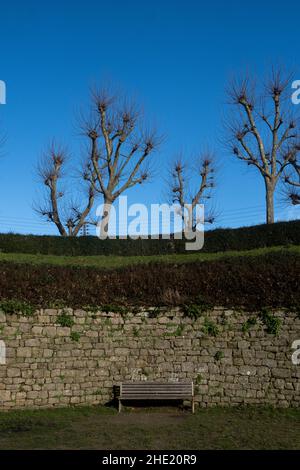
[245,238]
[270,280]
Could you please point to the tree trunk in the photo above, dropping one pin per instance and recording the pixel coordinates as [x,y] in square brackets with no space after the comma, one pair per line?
[190,218]
[70,228]
[269,202]
[105,218]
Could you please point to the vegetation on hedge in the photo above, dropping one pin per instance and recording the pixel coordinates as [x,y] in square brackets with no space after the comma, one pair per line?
[270,280]
[245,238]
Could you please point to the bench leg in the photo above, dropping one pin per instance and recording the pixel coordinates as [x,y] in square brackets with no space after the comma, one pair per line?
[120,405]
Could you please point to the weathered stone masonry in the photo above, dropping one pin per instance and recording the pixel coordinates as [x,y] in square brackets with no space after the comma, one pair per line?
[50,365]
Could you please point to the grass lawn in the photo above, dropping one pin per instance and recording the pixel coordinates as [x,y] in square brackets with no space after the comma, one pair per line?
[110,262]
[161,428]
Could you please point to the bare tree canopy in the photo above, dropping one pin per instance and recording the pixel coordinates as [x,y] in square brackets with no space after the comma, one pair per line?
[263,131]
[68,216]
[117,158]
[292,181]
[186,196]
[120,147]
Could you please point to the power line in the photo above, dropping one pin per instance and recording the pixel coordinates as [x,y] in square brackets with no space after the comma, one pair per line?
[245,215]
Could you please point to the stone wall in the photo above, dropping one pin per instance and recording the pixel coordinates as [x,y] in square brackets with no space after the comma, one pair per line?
[231,361]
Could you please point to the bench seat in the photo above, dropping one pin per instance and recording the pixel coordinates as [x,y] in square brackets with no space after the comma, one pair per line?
[144,390]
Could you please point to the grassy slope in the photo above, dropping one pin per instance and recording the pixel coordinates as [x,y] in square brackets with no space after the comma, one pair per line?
[163,428]
[110,262]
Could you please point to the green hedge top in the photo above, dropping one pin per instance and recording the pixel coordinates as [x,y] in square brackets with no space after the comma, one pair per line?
[246,238]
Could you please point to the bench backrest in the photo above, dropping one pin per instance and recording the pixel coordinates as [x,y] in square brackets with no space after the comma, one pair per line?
[160,390]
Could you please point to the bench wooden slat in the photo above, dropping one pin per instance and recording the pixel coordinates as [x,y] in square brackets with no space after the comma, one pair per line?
[141,397]
[158,395]
[151,385]
[185,386]
[189,392]
[185,390]
[146,392]
[146,386]
[155,384]
[155,393]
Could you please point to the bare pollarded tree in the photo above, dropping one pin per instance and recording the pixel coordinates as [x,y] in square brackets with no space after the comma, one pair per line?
[264,133]
[117,159]
[68,216]
[188,198]
[292,181]
[120,149]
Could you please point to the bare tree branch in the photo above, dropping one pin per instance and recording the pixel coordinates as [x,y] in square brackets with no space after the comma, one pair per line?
[292,181]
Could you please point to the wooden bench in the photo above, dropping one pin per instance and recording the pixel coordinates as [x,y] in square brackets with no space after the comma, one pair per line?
[156,391]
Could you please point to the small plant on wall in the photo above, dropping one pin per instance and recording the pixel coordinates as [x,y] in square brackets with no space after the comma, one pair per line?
[219,355]
[65,320]
[272,323]
[75,336]
[250,322]
[11,306]
[195,310]
[210,328]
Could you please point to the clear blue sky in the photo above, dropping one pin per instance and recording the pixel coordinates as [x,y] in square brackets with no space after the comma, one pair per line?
[174,56]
